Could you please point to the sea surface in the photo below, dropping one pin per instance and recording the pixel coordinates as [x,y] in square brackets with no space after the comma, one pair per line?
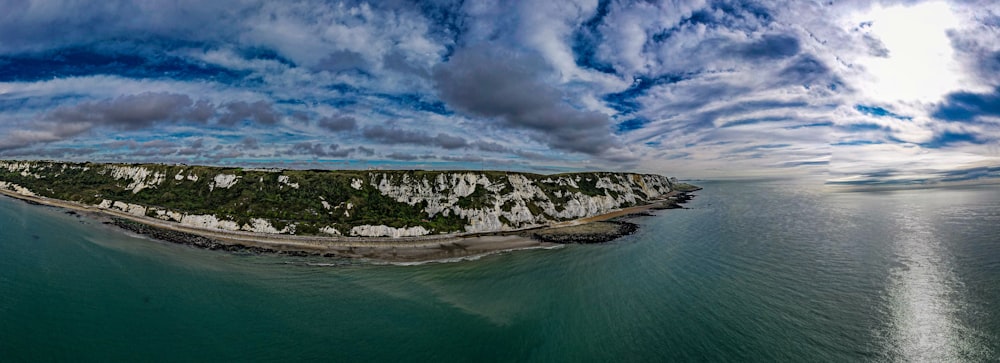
[751,272]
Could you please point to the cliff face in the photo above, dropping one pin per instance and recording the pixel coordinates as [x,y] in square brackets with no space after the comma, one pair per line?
[350,203]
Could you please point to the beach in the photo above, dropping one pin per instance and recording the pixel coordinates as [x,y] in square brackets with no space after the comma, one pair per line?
[403,249]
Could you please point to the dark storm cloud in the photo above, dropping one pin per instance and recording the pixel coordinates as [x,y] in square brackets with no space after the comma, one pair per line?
[335,151]
[402,156]
[400,136]
[508,86]
[338,123]
[131,112]
[491,147]
[250,142]
[64,153]
[260,112]
[319,150]
[195,147]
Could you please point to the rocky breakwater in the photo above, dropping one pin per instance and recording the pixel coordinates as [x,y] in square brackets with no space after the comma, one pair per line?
[194,240]
[594,232]
[614,227]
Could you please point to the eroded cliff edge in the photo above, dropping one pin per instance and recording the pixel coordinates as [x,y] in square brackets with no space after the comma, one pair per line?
[336,203]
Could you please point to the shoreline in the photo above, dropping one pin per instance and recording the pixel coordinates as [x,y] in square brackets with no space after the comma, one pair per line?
[404,250]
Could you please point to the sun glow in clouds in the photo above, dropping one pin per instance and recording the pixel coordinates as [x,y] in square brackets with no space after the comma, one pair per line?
[920,64]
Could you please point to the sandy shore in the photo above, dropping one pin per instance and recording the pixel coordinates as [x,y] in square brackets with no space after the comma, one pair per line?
[407,249]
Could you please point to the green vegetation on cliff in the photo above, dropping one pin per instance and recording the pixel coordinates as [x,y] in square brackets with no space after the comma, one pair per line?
[311,200]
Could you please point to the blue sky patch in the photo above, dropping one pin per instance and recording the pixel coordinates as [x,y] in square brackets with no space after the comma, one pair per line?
[77,62]
[856,142]
[966,106]
[632,124]
[625,102]
[879,112]
[587,37]
[949,138]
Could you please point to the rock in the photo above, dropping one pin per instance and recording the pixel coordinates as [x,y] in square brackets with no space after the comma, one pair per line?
[595,232]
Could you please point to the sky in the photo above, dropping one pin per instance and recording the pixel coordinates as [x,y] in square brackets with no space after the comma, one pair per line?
[846,92]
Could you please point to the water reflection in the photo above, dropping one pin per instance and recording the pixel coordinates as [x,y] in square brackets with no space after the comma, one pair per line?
[923,298]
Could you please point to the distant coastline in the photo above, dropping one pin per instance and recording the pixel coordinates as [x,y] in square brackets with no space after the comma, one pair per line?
[594,229]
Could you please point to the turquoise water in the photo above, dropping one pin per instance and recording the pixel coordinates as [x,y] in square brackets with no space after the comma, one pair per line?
[766,271]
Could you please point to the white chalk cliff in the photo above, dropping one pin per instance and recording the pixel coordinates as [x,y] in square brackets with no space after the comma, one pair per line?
[481,201]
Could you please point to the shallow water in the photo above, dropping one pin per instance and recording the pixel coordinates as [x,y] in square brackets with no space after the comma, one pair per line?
[752,272]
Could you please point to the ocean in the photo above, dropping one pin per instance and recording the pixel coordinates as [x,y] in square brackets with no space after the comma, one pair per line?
[766,271]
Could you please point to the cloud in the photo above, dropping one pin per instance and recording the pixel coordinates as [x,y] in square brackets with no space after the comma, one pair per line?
[133,111]
[490,146]
[968,106]
[250,143]
[399,136]
[894,178]
[875,47]
[337,123]
[342,60]
[129,113]
[463,158]
[769,47]
[508,86]
[318,150]
[259,112]
[21,138]
[805,70]
[125,113]
[402,156]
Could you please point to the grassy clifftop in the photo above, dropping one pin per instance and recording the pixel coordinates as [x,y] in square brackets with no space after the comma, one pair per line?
[335,202]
